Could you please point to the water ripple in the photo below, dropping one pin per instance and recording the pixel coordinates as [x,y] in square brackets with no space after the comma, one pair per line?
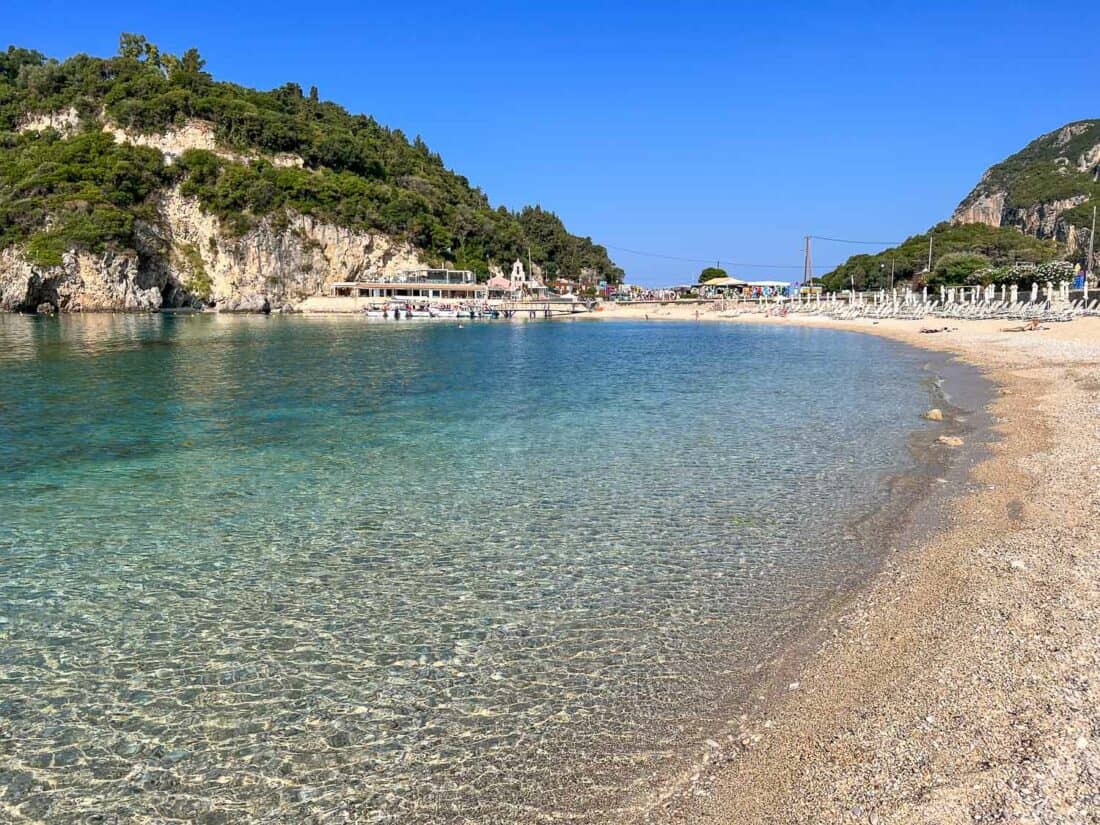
[302,570]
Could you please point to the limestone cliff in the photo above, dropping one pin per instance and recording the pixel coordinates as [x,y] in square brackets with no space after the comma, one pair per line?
[186,258]
[279,262]
[1046,190]
[82,282]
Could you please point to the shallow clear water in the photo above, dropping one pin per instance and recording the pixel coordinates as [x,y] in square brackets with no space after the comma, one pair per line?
[300,569]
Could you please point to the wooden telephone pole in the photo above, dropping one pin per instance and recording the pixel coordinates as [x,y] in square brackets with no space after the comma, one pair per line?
[808,267]
[1092,242]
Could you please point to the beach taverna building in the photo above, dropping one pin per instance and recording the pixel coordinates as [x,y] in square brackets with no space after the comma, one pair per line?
[418,284]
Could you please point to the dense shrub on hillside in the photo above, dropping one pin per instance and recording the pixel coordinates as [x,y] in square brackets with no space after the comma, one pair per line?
[82,192]
[956,268]
[998,246]
[357,172]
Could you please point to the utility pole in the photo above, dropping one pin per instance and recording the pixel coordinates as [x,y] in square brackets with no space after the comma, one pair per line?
[808,266]
[929,253]
[891,274]
[1092,241]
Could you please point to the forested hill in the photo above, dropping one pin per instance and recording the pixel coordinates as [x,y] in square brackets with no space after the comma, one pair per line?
[1034,207]
[88,183]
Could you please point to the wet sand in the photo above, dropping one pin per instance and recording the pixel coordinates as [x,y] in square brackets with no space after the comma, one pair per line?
[963,683]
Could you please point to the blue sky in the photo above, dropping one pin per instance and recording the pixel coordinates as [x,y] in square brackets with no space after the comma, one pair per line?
[722,131]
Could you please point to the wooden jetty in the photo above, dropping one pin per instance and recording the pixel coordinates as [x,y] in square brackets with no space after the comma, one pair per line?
[544,308]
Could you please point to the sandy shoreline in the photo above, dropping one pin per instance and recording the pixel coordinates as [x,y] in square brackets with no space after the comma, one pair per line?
[963,685]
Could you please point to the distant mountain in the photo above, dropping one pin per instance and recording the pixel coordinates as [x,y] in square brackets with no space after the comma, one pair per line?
[1032,207]
[138,181]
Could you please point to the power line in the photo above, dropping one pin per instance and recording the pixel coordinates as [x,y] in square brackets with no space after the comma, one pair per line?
[658,255]
[865,243]
[703,260]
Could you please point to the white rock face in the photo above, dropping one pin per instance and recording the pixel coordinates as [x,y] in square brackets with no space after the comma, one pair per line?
[187,258]
[284,265]
[65,121]
[1043,220]
[194,134]
[1089,159]
[986,209]
[83,282]
[173,142]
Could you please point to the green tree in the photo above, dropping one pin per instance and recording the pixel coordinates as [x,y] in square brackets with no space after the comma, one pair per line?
[191,62]
[956,267]
[712,272]
[132,46]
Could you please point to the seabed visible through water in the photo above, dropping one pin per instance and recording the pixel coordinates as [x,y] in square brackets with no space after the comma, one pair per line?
[311,569]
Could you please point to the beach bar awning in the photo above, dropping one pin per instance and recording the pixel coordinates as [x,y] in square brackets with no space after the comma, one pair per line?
[727,281]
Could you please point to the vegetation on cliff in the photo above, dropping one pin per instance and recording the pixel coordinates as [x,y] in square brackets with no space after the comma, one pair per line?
[1058,166]
[80,193]
[958,251]
[85,191]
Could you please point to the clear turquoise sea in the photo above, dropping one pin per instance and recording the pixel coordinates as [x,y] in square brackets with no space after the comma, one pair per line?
[286,569]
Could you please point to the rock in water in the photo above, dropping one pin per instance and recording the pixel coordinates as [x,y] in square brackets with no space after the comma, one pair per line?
[246,303]
[45,309]
[934,414]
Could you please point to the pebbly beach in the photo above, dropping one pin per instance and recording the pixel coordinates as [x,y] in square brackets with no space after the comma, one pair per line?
[961,685]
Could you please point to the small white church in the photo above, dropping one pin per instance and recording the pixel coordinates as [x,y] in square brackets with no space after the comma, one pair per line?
[517,285]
